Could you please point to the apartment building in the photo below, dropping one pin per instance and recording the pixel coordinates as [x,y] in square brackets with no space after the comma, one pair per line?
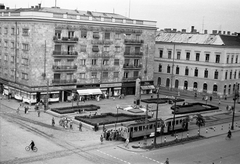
[204,63]
[58,52]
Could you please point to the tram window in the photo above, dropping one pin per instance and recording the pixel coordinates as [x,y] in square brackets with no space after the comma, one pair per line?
[151,126]
[140,128]
[131,130]
[176,122]
[169,123]
[181,121]
[135,129]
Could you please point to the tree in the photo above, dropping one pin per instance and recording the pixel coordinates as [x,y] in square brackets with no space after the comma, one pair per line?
[200,122]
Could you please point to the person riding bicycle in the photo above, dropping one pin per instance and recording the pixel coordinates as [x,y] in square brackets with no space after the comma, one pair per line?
[32,144]
[229,135]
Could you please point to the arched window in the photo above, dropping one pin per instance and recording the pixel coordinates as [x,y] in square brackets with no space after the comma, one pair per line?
[159,68]
[185,85]
[168,69]
[196,72]
[167,82]
[206,73]
[176,84]
[195,85]
[159,81]
[216,74]
[205,87]
[186,71]
[215,88]
[229,89]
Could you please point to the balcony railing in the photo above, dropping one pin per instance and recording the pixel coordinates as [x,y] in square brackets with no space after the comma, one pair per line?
[126,66]
[129,78]
[64,81]
[101,55]
[101,42]
[65,54]
[64,68]
[65,39]
[101,68]
[133,55]
[133,41]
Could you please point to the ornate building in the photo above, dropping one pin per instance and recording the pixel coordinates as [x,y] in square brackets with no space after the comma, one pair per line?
[58,51]
[204,63]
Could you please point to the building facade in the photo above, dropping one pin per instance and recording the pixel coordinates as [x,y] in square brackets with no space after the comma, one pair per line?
[58,52]
[204,63]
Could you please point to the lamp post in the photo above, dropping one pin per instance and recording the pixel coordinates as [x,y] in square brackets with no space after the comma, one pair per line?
[117,117]
[236,94]
[174,114]
[155,131]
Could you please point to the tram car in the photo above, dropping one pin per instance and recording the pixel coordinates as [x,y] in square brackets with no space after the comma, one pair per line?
[137,129]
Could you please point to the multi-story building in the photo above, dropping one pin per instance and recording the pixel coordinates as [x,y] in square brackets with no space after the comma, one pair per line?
[58,51]
[208,63]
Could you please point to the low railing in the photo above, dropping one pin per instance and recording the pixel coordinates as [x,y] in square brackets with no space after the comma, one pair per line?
[65,39]
[129,78]
[133,41]
[133,55]
[65,54]
[126,66]
[64,67]
[64,81]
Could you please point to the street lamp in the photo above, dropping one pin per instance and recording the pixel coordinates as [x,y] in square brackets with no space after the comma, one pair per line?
[155,131]
[236,95]
[117,117]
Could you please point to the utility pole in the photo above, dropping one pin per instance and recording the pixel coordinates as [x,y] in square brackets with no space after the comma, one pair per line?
[155,132]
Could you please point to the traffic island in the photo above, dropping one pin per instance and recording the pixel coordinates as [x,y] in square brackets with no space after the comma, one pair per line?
[170,143]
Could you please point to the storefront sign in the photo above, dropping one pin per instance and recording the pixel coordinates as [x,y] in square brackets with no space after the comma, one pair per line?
[110,85]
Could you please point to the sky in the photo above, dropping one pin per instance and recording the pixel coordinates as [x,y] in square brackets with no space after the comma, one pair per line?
[221,15]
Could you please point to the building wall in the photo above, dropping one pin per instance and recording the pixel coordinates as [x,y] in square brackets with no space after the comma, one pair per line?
[201,65]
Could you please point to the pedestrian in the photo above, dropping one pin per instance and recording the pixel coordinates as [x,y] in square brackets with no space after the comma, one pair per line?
[71,124]
[219,101]
[38,112]
[210,98]
[25,109]
[101,139]
[127,142]
[53,121]
[167,161]
[80,126]
[18,109]
[151,96]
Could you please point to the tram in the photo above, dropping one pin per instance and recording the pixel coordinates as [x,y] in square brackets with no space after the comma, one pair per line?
[137,129]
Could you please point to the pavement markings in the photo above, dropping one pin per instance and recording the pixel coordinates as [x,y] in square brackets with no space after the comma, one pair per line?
[113,157]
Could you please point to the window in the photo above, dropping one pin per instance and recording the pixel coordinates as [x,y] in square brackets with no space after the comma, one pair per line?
[12,59]
[187,55]
[217,59]
[107,35]
[5,44]
[12,45]
[94,75]
[160,53]
[56,76]
[128,36]
[169,54]
[227,59]
[226,75]
[25,47]
[115,74]
[197,56]
[117,48]
[24,76]
[25,61]
[57,62]
[0,30]
[125,74]
[70,49]
[5,57]
[25,31]
[106,48]
[95,49]
[82,75]
[116,61]
[82,62]
[186,71]
[235,75]
[207,57]
[94,61]
[138,36]
[216,74]
[178,55]
[83,48]
[5,30]
[117,36]
[136,62]
[196,72]
[70,34]
[105,75]
[215,88]
[135,74]
[105,62]
[96,35]
[12,31]
[236,59]
[83,34]
[206,73]
[232,58]
[127,61]
[137,50]
[127,50]
[159,68]
[177,70]
[168,69]
[230,77]
[58,34]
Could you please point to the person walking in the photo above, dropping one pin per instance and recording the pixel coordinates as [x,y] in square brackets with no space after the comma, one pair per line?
[53,121]
[101,138]
[167,161]
[71,124]
[38,111]
[18,109]
[127,142]
[80,126]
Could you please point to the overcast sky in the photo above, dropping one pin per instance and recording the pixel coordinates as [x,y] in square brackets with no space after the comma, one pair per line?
[221,15]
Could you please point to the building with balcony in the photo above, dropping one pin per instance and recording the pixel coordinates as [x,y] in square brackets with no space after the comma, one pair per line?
[202,63]
[62,51]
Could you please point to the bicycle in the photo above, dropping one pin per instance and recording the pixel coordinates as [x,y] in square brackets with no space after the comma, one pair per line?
[35,149]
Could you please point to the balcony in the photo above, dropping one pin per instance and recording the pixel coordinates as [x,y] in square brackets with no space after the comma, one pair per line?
[64,81]
[103,68]
[133,55]
[64,68]
[65,54]
[65,39]
[134,67]
[133,41]
[101,42]
[101,55]
[129,78]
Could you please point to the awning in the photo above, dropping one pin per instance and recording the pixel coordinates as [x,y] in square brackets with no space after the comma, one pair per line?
[89,91]
[147,87]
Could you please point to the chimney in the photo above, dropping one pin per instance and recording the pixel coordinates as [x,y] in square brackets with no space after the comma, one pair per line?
[229,33]
[39,5]
[214,32]
[167,29]
[36,6]
[32,7]
[205,31]
[224,32]
[192,29]
[219,32]
[2,6]
[184,30]
[174,30]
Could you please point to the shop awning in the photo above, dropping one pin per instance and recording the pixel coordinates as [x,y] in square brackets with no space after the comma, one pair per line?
[147,87]
[89,91]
